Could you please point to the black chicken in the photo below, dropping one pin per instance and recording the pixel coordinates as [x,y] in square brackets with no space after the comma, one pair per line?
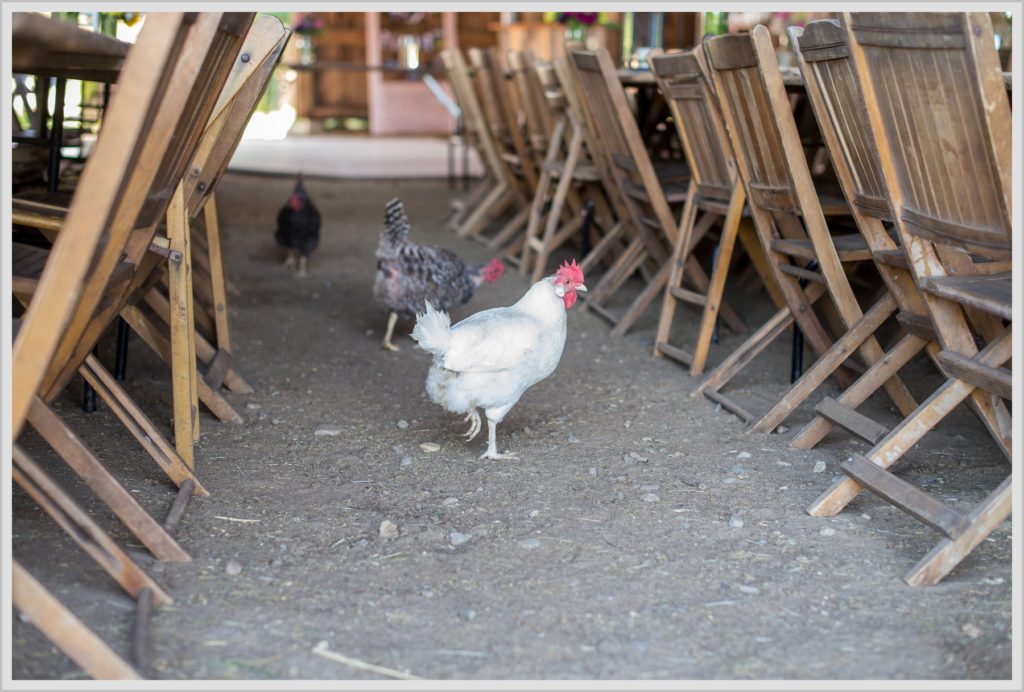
[408,274]
[298,227]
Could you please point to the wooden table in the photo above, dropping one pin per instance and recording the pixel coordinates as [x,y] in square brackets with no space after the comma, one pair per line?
[47,47]
[50,48]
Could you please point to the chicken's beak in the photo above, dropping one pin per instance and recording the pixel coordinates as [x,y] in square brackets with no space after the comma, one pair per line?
[581,288]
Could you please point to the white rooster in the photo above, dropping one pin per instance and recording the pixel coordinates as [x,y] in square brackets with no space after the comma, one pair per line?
[489,359]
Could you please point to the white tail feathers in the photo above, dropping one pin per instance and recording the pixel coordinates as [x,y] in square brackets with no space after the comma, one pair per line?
[433,330]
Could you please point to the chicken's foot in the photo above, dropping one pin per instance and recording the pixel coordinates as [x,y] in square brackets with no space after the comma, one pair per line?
[289,259]
[492,447]
[392,320]
[302,265]
[473,418]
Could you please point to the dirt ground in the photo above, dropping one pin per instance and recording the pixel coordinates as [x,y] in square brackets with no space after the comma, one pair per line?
[640,535]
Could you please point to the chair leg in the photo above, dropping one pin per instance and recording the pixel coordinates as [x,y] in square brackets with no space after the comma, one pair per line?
[904,436]
[716,287]
[157,341]
[182,324]
[66,631]
[496,201]
[949,552]
[76,455]
[82,529]
[140,426]
[755,343]
[860,331]
[859,391]
[220,305]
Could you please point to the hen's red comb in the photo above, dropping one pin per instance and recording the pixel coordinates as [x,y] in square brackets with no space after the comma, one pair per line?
[572,272]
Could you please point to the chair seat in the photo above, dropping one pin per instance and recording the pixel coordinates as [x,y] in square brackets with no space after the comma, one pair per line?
[675,193]
[850,248]
[992,293]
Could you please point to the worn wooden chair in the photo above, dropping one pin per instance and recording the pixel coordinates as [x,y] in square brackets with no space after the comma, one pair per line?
[169,83]
[567,175]
[501,108]
[834,94]
[490,201]
[644,196]
[717,194]
[940,120]
[790,217]
[613,242]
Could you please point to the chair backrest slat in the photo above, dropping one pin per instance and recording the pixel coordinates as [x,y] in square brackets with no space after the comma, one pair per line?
[938,86]
[685,84]
[827,69]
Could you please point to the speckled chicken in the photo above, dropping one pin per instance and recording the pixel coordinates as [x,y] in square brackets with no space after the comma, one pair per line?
[298,227]
[410,275]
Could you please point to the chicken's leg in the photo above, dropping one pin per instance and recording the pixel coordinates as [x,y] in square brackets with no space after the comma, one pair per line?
[492,447]
[473,418]
[392,319]
[289,259]
[302,265]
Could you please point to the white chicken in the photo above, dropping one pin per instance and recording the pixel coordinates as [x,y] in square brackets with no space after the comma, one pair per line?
[489,359]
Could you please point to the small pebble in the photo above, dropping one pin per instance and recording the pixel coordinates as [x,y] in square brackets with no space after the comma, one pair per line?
[651,497]
[450,502]
[648,487]
[729,481]
[457,538]
[828,531]
[593,471]
[406,461]
[327,431]
[736,521]
[781,430]
[430,447]
[253,407]
[388,529]
[865,516]
[402,424]
[534,513]
[469,615]
[738,470]
[233,568]
[819,467]
[529,543]
[573,438]
[743,455]
[749,589]
[971,631]
[276,421]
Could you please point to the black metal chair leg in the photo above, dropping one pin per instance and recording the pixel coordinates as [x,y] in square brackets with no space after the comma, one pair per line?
[121,364]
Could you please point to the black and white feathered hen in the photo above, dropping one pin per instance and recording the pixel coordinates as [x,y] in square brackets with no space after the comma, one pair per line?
[409,275]
[298,227]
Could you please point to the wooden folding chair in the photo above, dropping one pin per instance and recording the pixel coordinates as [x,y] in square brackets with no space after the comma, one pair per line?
[790,219]
[491,200]
[501,110]
[125,189]
[834,95]
[645,198]
[717,195]
[567,174]
[98,254]
[940,121]
[614,242]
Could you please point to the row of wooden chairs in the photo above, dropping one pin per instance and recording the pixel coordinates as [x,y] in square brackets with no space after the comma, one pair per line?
[905,116]
[124,246]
